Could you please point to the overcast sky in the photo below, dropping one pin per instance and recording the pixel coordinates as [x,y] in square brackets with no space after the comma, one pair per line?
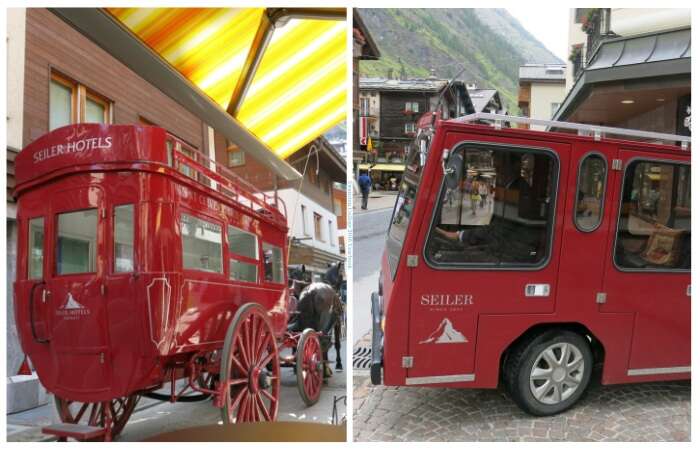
[550,25]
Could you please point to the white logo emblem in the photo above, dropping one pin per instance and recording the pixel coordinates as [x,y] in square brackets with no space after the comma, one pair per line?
[71,303]
[445,334]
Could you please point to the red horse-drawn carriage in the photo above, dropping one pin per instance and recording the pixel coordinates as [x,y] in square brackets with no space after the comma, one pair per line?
[141,263]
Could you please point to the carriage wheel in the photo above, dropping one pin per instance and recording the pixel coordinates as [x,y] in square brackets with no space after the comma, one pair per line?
[250,368]
[93,414]
[309,367]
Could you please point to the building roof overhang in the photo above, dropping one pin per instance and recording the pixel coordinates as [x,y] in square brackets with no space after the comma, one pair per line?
[653,57]
[370,51]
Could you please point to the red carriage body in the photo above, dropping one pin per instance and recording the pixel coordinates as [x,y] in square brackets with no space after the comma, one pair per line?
[597,263]
[135,253]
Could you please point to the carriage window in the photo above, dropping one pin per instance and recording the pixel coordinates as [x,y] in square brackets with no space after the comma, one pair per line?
[495,208]
[36,248]
[77,242]
[273,263]
[201,244]
[242,243]
[654,225]
[124,238]
[243,271]
[590,192]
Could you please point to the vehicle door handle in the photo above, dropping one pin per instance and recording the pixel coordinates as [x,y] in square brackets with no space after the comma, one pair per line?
[31,310]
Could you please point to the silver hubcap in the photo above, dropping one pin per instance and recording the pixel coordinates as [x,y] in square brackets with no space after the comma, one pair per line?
[557,373]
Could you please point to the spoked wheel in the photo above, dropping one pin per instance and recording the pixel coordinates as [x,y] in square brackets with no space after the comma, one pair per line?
[93,414]
[309,367]
[250,368]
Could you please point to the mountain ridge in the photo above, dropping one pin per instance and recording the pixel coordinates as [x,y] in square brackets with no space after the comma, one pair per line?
[489,44]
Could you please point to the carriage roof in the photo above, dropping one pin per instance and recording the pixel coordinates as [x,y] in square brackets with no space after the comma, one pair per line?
[95,148]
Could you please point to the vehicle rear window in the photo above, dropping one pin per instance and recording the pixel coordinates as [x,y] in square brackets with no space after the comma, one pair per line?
[496,209]
[36,248]
[653,231]
[76,247]
[201,244]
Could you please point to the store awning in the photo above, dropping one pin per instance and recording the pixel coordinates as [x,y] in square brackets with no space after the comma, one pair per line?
[384,167]
[279,73]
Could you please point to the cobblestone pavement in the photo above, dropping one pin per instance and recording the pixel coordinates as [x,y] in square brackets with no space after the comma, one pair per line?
[635,412]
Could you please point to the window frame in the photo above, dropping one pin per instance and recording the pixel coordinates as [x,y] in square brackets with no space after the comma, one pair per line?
[233,256]
[485,145]
[619,210]
[211,220]
[605,190]
[80,93]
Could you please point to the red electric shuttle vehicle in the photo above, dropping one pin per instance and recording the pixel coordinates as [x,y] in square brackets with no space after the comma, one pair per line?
[140,263]
[527,257]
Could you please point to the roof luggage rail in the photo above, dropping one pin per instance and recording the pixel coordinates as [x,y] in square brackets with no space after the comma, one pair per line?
[597,131]
[213,175]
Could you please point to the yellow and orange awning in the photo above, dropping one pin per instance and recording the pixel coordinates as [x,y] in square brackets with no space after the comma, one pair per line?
[299,88]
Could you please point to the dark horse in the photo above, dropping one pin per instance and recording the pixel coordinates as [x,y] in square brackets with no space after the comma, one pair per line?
[319,307]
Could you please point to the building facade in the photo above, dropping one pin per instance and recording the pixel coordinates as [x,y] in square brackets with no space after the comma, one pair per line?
[629,68]
[541,91]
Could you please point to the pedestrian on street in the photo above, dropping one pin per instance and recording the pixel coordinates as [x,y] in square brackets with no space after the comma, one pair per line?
[365,184]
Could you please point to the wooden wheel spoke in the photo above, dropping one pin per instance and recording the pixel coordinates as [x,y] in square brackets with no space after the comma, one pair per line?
[266,360]
[252,342]
[81,411]
[263,408]
[238,381]
[238,365]
[268,395]
[243,351]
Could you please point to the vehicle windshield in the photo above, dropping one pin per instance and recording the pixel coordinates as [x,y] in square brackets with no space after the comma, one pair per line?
[405,201]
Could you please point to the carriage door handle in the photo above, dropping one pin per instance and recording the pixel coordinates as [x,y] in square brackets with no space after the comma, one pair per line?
[31,310]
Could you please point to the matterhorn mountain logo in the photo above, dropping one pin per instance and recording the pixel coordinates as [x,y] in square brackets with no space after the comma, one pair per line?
[71,303]
[445,334]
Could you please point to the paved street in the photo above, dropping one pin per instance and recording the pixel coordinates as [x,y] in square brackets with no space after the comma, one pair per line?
[154,417]
[369,232]
[639,412]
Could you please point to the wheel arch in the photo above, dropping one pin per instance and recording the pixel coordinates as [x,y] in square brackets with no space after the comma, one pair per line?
[597,347]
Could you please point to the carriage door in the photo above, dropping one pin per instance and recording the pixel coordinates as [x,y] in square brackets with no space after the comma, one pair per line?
[76,289]
[650,271]
[486,248]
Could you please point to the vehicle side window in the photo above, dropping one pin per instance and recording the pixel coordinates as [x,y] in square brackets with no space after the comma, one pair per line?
[201,244]
[495,208]
[243,248]
[590,192]
[273,263]
[36,248]
[653,231]
[76,246]
[124,238]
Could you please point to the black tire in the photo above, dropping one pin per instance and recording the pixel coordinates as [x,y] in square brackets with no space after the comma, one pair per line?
[309,396]
[520,363]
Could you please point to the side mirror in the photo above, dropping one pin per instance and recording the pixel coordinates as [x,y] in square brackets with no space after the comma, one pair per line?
[452,167]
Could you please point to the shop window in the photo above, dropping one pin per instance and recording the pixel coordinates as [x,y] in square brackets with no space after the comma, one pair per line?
[77,242]
[590,192]
[72,102]
[495,208]
[653,231]
[201,244]
[273,263]
[318,227]
[124,238]
[36,248]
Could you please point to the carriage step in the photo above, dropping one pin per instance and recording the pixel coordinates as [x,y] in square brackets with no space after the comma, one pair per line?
[74,431]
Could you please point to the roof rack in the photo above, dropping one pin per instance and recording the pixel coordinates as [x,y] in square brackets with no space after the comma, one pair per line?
[213,175]
[597,131]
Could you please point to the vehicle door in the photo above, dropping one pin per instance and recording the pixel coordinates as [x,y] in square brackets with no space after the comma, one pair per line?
[76,291]
[650,270]
[487,246]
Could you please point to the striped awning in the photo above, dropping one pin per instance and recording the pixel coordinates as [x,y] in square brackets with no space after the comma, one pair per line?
[297,89]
